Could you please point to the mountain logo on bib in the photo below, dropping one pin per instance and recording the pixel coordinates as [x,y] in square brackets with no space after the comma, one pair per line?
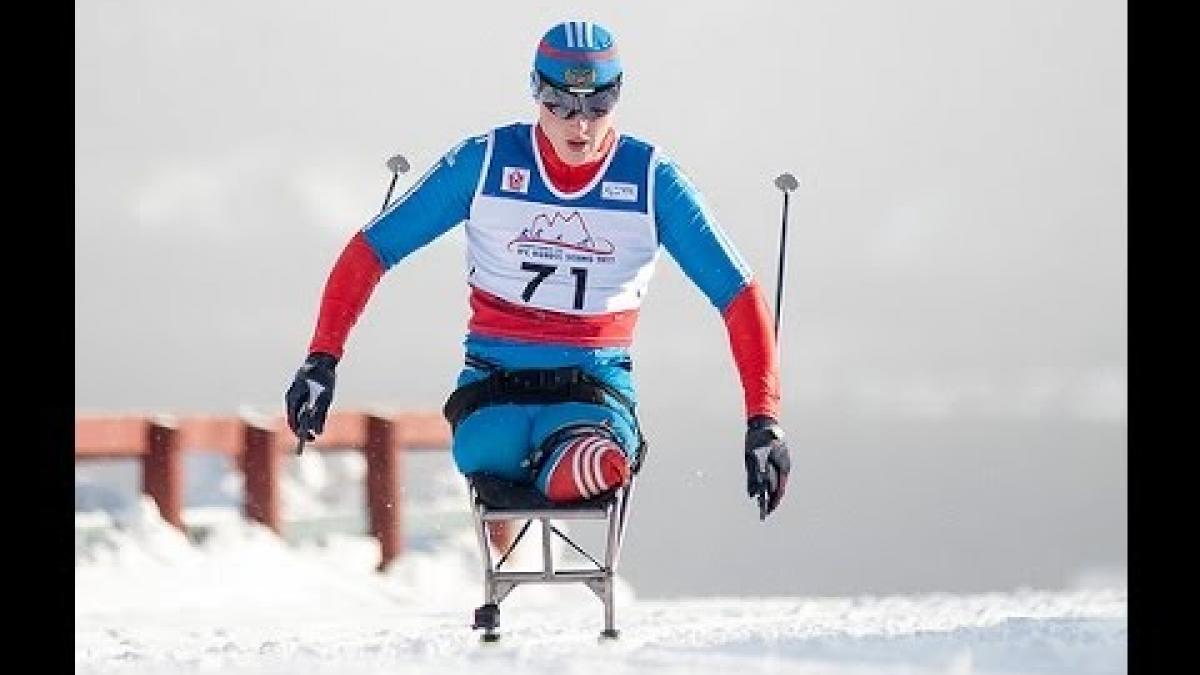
[566,232]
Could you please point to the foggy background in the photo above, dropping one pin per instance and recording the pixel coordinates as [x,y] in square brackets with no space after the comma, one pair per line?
[954,339]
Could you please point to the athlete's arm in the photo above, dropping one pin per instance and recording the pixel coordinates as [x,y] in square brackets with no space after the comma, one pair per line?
[687,229]
[437,202]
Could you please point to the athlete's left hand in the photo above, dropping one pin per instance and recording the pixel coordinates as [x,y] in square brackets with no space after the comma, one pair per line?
[767,463]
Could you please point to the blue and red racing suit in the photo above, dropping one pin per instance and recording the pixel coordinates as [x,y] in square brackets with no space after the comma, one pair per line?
[559,258]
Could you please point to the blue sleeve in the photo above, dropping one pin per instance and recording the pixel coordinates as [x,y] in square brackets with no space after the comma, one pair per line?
[437,202]
[690,233]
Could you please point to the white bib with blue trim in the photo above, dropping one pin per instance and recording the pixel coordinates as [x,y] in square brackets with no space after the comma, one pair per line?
[590,252]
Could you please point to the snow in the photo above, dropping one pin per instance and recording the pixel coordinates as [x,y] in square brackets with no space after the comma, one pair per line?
[235,598]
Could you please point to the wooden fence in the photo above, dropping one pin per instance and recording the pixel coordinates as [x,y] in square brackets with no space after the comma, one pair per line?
[258,447]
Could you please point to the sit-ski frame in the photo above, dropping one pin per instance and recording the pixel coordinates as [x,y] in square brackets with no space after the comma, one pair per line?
[497,583]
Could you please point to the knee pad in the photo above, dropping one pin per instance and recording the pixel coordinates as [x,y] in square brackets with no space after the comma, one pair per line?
[582,461]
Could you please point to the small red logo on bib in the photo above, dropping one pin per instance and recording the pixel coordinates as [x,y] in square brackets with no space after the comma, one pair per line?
[515,180]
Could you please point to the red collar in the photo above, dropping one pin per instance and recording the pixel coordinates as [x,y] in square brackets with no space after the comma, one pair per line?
[567,178]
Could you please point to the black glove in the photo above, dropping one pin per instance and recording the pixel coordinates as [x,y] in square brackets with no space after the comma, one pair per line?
[308,399]
[767,463]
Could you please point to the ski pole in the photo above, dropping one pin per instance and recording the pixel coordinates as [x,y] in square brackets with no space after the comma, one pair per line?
[397,165]
[786,182]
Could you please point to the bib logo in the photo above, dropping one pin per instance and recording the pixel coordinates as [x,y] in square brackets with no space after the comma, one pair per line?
[515,180]
[562,237]
[622,192]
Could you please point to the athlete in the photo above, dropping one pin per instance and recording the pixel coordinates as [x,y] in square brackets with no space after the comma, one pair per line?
[565,218]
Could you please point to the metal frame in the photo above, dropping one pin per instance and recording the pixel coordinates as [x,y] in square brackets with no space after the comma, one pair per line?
[497,584]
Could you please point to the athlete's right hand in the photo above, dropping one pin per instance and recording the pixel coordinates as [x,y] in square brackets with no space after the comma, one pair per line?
[767,463]
[308,399]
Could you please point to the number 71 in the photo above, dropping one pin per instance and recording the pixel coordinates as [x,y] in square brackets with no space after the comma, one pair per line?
[543,271]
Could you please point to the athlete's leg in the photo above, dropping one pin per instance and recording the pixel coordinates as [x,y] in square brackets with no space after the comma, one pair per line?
[495,440]
[588,450]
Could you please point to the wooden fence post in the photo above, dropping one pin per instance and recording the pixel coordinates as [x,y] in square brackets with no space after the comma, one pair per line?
[383,487]
[162,471]
[261,466]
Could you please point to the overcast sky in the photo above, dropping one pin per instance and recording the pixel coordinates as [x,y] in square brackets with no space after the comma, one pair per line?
[954,339]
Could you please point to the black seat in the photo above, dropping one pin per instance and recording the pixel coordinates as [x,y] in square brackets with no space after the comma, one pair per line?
[501,494]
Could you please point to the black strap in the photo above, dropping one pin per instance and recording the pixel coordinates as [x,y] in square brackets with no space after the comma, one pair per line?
[536,386]
[533,385]
[553,385]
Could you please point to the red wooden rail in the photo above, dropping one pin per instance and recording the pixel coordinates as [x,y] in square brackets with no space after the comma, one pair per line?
[259,448]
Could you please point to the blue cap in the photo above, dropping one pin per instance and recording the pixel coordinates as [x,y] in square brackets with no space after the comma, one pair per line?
[579,56]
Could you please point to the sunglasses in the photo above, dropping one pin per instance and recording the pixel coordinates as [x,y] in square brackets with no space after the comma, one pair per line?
[566,105]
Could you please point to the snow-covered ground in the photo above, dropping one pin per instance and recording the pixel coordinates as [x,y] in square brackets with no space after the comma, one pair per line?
[239,600]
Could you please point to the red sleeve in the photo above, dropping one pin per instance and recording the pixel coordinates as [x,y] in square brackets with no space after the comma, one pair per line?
[752,340]
[350,284]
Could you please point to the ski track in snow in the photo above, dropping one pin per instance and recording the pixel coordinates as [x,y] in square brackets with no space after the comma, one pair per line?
[150,602]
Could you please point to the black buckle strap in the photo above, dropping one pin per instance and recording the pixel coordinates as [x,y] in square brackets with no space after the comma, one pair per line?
[538,380]
[537,386]
[551,385]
